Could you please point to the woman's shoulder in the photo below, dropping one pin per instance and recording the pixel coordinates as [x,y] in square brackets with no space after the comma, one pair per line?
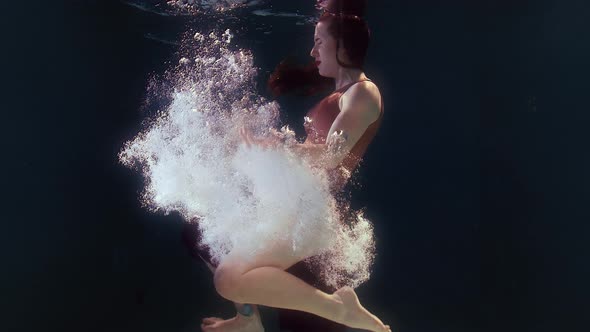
[365,92]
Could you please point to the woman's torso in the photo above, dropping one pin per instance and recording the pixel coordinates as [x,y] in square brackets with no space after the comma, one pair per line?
[322,116]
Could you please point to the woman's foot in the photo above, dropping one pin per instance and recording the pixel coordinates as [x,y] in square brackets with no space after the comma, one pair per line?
[238,323]
[355,315]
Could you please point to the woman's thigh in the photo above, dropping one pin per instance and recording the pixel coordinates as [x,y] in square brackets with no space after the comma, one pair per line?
[280,255]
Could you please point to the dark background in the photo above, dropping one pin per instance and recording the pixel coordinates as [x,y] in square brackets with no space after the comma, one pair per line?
[477,182]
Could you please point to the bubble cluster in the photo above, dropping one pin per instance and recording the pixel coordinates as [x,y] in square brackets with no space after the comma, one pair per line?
[244,199]
[216,5]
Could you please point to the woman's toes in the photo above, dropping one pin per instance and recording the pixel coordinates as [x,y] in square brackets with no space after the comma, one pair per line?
[211,320]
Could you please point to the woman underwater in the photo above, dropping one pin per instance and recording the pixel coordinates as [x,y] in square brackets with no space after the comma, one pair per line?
[354,112]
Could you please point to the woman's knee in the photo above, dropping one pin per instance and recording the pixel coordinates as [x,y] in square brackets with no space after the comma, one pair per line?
[226,283]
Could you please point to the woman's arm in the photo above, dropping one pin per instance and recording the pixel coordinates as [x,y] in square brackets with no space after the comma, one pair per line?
[314,153]
[327,155]
[359,108]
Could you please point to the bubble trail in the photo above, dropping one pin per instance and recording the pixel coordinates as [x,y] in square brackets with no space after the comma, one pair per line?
[244,199]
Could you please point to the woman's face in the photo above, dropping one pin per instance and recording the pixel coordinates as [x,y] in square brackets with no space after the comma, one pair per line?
[324,51]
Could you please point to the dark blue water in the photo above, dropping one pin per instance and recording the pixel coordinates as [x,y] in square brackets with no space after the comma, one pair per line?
[477,181]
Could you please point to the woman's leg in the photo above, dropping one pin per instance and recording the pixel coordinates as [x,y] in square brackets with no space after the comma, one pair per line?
[248,317]
[263,281]
[243,309]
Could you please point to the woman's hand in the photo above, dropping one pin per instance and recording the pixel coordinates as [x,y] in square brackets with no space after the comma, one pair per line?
[249,139]
[336,142]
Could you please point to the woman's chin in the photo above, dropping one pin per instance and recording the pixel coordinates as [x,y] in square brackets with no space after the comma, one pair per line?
[323,74]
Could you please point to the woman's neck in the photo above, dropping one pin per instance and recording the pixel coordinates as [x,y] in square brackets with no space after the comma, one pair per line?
[347,76]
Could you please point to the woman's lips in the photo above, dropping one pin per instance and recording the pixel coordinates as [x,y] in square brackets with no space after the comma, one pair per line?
[317,63]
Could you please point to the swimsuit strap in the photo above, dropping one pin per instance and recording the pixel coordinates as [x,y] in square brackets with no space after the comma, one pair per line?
[344,88]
